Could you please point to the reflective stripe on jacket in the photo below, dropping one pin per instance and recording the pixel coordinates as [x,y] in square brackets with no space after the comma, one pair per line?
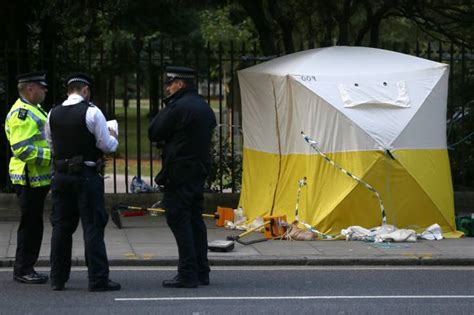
[25,132]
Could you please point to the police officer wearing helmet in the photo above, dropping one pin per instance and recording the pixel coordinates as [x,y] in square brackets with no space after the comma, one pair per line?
[78,136]
[184,129]
[29,171]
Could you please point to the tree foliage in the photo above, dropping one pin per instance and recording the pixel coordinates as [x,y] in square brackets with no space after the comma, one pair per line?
[280,26]
[217,25]
[289,24]
[54,34]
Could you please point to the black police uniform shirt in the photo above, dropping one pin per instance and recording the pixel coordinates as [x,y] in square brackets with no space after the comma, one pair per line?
[185,126]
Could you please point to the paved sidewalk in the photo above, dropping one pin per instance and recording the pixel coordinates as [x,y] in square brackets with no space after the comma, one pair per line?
[147,241]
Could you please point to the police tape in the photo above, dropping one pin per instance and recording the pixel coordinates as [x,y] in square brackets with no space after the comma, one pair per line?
[301,184]
[119,210]
[313,144]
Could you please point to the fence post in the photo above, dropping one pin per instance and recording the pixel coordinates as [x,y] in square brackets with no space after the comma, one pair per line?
[231,98]
[162,69]
[112,111]
[463,75]
[125,110]
[451,78]
[208,73]
[151,104]
[221,171]
[138,96]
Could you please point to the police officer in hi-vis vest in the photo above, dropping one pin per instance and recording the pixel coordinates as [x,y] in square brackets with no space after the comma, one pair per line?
[78,135]
[30,171]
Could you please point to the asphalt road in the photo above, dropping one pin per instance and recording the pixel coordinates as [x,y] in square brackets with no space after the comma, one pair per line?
[247,290]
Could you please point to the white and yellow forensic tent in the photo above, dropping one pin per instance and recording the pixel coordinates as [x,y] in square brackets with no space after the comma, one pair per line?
[379,114]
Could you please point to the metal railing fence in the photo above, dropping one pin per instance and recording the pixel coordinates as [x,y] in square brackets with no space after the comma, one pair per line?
[129,87]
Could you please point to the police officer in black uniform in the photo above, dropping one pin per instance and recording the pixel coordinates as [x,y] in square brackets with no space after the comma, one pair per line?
[78,135]
[184,130]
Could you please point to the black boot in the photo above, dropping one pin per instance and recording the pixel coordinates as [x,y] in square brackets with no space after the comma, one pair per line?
[177,282]
[108,285]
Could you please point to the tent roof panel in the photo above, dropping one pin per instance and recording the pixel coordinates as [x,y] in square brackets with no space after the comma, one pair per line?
[427,128]
[342,60]
[384,123]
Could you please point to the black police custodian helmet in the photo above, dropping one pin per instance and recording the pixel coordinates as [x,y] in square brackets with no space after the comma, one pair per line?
[179,73]
[37,77]
[79,77]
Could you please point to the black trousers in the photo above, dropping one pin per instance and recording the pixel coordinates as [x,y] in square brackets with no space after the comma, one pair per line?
[78,197]
[183,200]
[30,230]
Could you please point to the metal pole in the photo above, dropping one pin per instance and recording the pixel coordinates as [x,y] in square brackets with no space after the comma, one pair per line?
[112,96]
[150,107]
[221,158]
[231,97]
[125,109]
[138,95]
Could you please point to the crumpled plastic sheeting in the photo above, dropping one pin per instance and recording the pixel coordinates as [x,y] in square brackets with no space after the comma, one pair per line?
[399,235]
[433,232]
[389,233]
[138,186]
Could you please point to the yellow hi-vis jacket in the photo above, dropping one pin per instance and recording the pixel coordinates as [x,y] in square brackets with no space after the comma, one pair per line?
[24,127]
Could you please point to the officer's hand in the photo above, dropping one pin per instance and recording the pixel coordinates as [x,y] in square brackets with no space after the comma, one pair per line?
[113,133]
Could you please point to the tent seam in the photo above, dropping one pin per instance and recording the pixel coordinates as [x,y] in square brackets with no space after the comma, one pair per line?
[279,147]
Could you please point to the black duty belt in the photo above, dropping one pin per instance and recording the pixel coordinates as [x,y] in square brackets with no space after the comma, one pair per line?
[74,165]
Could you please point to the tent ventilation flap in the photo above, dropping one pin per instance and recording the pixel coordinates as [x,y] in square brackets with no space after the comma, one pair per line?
[380,93]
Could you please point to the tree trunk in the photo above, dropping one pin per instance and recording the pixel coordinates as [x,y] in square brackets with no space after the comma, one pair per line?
[255,10]
[374,34]
[344,19]
[286,24]
[287,30]
[326,13]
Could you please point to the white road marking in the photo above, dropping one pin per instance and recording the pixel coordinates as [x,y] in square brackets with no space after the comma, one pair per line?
[314,297]
[271,268]
[298,268]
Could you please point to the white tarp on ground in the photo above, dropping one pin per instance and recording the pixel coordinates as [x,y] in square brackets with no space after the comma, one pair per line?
[389,233]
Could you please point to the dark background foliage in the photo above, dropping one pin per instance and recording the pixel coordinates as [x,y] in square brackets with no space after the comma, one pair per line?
[111,38]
